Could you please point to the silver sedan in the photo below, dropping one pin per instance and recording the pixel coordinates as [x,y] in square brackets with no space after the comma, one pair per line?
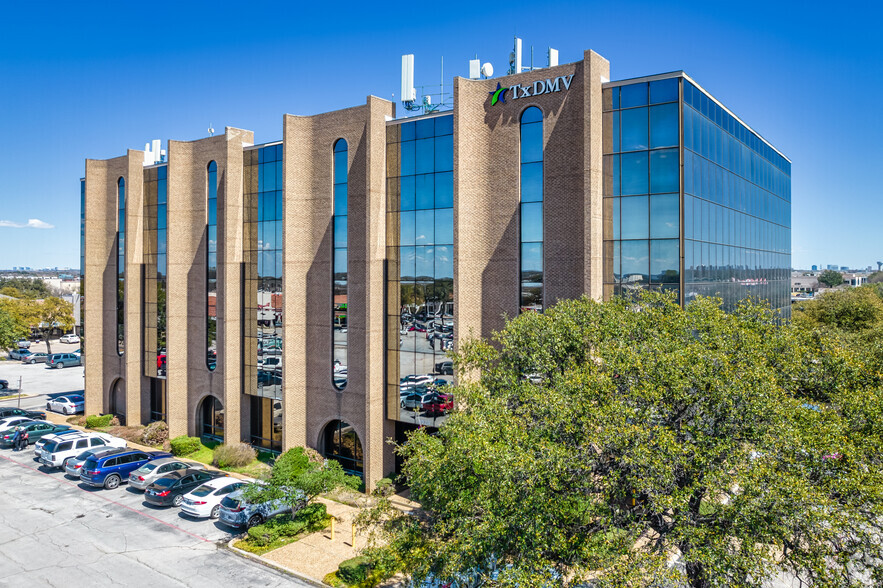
[144,476]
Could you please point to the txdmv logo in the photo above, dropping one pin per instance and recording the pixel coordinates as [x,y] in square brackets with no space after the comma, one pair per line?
[535,89]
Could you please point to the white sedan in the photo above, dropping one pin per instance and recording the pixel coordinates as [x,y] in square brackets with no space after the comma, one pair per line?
[67,404]
[205,501]
[9,422]
[69,338]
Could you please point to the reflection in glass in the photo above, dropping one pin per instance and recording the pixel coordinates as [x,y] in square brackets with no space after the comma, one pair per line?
[531,209]
[420,318]
[211,304]
[341,443]
[121,265]
[634,169]
[340,270]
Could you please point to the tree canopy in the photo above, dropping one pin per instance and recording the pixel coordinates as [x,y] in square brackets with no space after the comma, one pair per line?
[831,278]
[31,288]
[13,324]
[649,441]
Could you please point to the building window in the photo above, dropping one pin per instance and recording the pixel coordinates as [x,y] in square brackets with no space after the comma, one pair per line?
[339,266]
[531,281]
[153,291]
[211,273]
[342,444]
[420,276]
[262,272]
[121,265]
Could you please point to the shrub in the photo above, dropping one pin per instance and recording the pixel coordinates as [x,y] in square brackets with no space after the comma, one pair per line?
[155,433]
[236,455]
[354,570]
[313,515]
[274,529]
[98,422]
[132,434]
[385,487]
[114,422]
[185,445]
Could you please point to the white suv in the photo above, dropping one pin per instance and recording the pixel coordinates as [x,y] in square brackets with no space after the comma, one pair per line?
[57,452]
[69,338]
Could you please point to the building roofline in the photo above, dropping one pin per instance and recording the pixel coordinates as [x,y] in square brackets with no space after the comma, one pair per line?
[683,74]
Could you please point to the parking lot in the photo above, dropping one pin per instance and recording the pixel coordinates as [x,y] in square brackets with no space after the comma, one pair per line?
[59,532]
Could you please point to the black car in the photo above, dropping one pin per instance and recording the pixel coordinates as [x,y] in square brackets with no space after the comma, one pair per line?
[8,411]
[4,385]
[171,488]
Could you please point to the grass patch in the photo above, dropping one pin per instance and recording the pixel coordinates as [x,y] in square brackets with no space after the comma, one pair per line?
[259,468]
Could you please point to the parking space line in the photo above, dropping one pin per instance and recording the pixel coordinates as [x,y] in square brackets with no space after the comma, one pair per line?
[138,512]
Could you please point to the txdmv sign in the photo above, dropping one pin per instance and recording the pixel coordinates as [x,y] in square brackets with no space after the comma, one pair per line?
[537,88]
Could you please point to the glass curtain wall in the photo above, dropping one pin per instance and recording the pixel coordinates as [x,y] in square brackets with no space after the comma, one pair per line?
[532,209]
[121,265]
[420,288]
[155,269]
[737,208]
[340,265]
[642,187]
[262,293]
[211,269]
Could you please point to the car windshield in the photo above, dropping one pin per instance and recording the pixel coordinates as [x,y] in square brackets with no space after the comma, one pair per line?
[50,447]
[85,455]
[203,490]
[165,482]
[90,464]
[146,468]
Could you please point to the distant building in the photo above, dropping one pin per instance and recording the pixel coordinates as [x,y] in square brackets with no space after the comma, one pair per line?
[832,267]
[803,287]
[815,268]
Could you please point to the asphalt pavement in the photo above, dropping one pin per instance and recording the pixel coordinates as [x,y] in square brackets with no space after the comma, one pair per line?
[58,532]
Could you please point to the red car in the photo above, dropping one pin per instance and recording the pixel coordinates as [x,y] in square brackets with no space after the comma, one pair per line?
[439,404]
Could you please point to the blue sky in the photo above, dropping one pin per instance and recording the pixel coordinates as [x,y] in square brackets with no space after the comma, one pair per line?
[87,80]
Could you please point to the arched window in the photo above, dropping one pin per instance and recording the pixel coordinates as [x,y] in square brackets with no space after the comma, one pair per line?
[121,265]
[340,267]
[211,268]
[531,281]
[341,443]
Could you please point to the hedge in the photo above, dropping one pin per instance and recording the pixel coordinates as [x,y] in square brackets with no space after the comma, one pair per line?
[98,422]
[185,445]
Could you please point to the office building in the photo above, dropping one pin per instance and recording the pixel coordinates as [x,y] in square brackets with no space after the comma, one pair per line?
[306,291]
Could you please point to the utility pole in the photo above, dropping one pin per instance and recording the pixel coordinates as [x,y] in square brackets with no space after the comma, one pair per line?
[19,391]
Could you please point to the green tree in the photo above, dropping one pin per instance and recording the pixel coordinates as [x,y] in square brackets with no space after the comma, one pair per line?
[851,310]
[653,431]
[13,325]
[297,480]
[831,278]
[875,278]
[31,288]
[49,314]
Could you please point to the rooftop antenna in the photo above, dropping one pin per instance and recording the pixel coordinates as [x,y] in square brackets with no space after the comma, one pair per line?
[211,130]
[409,92]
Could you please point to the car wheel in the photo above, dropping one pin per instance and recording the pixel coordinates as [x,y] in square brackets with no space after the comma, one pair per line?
[177,500]
[216,512]
[32,362]
[60,365]
[48,407]
[255,520]
[64,463]
[112,481]
[66,411]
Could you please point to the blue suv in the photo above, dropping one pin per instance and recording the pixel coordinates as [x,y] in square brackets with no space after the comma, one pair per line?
[110,470]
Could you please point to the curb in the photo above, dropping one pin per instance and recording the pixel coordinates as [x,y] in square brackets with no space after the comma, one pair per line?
[278,567]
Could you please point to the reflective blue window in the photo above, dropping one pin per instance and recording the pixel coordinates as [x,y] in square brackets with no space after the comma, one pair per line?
[664,217]
[211,297]
[664,125]
[531,212]
[635,218]
[664,171]
[634,129]
[635,177]
[121,265]
[664,91]
[633,95]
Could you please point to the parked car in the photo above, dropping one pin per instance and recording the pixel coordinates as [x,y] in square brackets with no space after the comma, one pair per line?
[439,404]
[67,433]
[70,404]
[58,452]
[238,513]
[414,379]
[147,474]
[110,471]
[36,430]
[23,344]
[75,464]
[416,400]
[169,490]
[59,360]
[69,338]
[205,501]
[445,368]
[35,358]
[4,385]
[7,411]
[12,421]
[19,354]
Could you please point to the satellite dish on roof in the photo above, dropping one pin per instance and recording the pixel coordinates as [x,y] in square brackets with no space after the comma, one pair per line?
[487,70]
